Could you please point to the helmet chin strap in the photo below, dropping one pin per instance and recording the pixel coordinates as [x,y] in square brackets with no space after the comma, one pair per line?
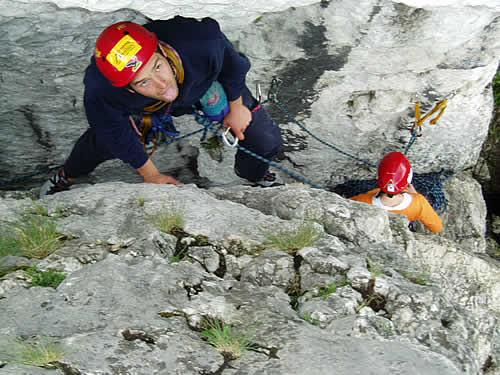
[174,61]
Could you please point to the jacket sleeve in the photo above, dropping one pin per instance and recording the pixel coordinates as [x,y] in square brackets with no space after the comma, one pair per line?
[365,197]
[114,131]
[429,217]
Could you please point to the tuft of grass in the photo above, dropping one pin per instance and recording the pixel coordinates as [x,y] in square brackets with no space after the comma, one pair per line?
[225,339]
[43,352]
[141,201]
[8,245]
[168,219]
[39,210]
[292,240]
[176,258]
[415,277]
[49,278]
[32,237]
[212,143]
[326,291]
[375,268]
[309,319]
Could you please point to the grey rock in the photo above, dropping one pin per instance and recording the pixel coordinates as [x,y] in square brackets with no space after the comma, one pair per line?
[322,263]
[205,255]
[359,277]
[271,268]
[12,263]
[135,311]
[465,218]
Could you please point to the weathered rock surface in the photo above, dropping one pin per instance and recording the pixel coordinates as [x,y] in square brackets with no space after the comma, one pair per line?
[369,296]
[412,303]
[350,71]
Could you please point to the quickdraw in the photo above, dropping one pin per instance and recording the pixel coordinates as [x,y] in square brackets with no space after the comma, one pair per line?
[416,129]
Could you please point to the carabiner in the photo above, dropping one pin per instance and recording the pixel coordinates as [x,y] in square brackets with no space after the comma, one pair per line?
[226,141]
[258,93]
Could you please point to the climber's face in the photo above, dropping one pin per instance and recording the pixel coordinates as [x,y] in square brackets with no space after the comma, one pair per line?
[156,80]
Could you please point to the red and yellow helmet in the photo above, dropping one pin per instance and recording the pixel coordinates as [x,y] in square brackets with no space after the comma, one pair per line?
[122,50]
[394,173]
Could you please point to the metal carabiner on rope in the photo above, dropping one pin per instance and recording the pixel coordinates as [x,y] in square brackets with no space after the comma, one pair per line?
[258,93]
[226,141]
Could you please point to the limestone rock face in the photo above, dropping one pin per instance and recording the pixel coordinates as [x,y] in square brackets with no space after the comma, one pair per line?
[351,72]
[136,298]
[367,291]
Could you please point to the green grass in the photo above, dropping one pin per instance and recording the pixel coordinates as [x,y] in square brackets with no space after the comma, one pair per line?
[8,245]
[375,268]
[292,240]
[42,352]
[45,278]
[176,258]
[309,319]
[32,237]
[415,277]
[225,339]
[212,143]
[326,291]
[141,201]
[39,210]
[169,219]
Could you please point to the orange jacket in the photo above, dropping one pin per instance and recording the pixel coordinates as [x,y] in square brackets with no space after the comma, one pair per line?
[414,207]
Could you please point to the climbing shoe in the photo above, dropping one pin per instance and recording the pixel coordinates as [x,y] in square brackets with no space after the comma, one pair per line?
[270,179]
[57,183]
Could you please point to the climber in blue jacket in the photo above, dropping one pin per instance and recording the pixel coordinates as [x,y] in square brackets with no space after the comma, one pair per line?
[156,71]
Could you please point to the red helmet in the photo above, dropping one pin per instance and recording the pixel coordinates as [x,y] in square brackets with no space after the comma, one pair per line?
[394,173]
[122,50]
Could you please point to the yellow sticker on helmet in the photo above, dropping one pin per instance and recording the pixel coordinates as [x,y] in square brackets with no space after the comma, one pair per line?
[123,52]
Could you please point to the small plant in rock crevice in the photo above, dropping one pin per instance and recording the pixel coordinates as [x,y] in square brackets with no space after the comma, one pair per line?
[50,279]
[309,319]
[371,298]
[32,237]
[169,219]
[230,343]
[415,277]
[292,240]
[40,352]
[375,268]
[326,291]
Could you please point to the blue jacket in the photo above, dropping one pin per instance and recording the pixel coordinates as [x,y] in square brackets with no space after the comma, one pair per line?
[207,56]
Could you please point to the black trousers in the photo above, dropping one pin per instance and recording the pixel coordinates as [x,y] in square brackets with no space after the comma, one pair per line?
[262,136]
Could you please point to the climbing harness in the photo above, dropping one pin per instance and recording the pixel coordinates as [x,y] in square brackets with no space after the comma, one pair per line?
[154,129]
[416,129]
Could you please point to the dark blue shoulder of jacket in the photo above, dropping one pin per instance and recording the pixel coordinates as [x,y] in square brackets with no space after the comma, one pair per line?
[182,28]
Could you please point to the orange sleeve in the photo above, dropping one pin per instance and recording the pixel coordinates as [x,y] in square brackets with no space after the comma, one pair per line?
[365,197]
[429,217]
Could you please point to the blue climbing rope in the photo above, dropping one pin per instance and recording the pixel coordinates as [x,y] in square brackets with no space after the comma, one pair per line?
[215,128]
[273,98]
